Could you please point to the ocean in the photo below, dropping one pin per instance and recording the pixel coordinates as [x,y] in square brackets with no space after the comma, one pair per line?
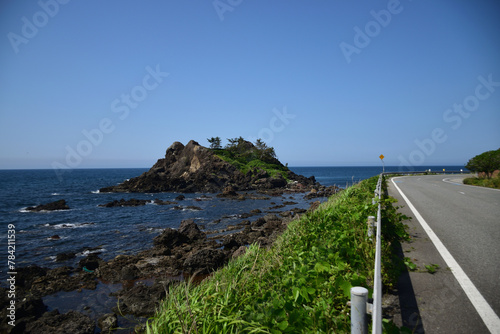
[86,227]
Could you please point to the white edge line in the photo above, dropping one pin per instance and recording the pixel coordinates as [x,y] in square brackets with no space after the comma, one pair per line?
[490,319]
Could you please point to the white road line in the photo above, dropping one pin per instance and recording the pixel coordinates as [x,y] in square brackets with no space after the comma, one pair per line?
[491,320]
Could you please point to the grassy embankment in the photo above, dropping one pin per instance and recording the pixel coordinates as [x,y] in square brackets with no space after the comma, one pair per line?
[494,182]
[299,285]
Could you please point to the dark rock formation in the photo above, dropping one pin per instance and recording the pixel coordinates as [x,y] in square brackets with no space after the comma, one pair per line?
[123,202]
[322,192]
[54,323]
[140,300]
[107,322]
[205,261]
[57,205]
[194,168]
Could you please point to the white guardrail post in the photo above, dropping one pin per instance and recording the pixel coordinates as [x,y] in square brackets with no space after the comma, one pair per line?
[359,296]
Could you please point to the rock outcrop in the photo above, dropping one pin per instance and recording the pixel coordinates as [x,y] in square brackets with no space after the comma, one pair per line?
[194,168]
[57,205]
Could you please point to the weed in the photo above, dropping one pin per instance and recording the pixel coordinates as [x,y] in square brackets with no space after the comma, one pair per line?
[409,264]
[431,268]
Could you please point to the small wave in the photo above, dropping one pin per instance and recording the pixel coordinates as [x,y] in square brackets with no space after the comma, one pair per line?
[90,251]
[55,194]
[56,237]
[25,210]
[70,225]
[96,191]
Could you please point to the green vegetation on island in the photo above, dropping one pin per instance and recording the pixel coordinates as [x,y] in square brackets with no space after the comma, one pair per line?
[248,157]
[486,165]
[299,285]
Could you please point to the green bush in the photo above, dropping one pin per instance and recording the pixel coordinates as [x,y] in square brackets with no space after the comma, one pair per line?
[483,182]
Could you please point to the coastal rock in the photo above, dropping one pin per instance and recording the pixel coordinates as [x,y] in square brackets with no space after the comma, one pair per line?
[65,256]
[107,322]
[57,205]
[322,192]
[189,228]
[140,300]
[205,261]
[62,279]
[160,202]
[122,202]
[55,323]
[194,168]
[228,191]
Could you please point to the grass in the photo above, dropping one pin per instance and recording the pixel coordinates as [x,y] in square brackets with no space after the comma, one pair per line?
[299,285]
[483,182]
[249,161]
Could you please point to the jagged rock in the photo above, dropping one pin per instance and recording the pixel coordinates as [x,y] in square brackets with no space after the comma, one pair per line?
[240,251]
[160,202]
[57,205]
[205,261]
[189,228]
[65,256]
[228,191]
[107,322]
[140,300]
[27,275]
[130,272]
[55,323]
[91,262]
[322,192]
[169,238]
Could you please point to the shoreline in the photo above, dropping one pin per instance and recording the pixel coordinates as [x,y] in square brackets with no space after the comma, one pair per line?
[142,274]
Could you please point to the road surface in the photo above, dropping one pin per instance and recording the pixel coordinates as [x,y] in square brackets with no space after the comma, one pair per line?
[466,221]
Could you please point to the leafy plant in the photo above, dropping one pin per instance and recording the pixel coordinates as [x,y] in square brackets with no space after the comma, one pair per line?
[431,268]
[409,264]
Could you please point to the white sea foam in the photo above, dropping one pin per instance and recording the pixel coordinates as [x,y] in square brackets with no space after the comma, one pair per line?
[87,252]
[96,191]
[55,239]
[55,194]
[71,225]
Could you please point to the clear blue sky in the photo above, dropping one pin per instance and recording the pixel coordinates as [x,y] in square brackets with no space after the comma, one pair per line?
[326,83]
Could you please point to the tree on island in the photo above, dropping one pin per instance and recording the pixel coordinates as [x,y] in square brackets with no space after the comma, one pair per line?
[215,143]
[486,162]
[240,147]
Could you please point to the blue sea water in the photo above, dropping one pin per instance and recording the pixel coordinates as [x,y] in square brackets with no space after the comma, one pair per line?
[86,227]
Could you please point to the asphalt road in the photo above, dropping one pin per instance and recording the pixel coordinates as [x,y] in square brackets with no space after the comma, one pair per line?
[467,221]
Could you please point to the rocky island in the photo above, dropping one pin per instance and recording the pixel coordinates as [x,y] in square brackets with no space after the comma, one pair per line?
[241,165]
